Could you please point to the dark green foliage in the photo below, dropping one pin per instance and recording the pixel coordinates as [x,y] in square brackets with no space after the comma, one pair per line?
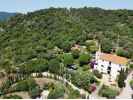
[75,53]
[25,85]
[34,35]
[54,66]
[131,66]
[35,92]
[97,74]
[108,92]
[68,59]
[12,97]
[131,84]
[123,53]
[74,94]
[56,92]
[84,59]
[121,78]
[83,79]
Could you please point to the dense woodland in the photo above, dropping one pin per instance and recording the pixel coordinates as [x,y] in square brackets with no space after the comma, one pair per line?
[28,40]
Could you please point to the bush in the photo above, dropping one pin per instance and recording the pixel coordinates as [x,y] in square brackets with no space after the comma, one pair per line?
[131,84]
[46,86]
[83,79]
[131,66]
[108,92]
[12,97]
[74,94]
[84,59]
[56,92]
[86,67]
[68,59]
[35,92]
[25,85]
[97,74]
[123,53]
[75,53]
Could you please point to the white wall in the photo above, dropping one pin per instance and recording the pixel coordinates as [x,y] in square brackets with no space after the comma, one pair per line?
[102,66]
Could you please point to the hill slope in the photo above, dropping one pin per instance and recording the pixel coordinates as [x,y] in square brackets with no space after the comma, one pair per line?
[32,36]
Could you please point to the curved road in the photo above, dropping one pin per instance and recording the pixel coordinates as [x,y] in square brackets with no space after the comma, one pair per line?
[47,74]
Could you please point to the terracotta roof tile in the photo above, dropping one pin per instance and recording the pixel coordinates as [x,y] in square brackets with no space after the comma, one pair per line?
[113,58]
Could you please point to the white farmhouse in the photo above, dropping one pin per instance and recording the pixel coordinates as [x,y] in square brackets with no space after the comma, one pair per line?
[109,64]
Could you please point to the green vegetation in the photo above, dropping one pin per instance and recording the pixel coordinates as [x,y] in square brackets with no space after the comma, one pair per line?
[121,78]
[84,59]
[91,45]
[122,52]
[108,92]
[35,92]
[74,94]
[131,84]
[29,39]
[97,74]
[68,59]
[25,85]
[131,66]
[83,79]
[56,92]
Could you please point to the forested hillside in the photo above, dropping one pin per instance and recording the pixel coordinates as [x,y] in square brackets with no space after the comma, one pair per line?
[30,38]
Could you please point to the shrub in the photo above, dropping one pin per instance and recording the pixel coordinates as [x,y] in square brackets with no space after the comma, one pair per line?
[68,59]
[131,84]
[46,86]
[12,97]
[25,85]
[74,94]
[83,79]
[97,74]
[84,59]
[86,67]
[35,92]
[131,66]
[108,92]
[75,53]
[56,92]
[121,78]
[123,53]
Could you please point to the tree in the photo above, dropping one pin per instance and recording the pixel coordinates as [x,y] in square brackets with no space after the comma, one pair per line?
[56,92]
[84,58]
[91,45]
[75,53]
[121,79]
[97,74]
[54,66]
[122,52]
[108,92]
[131,84]
[35,92]
[68,59]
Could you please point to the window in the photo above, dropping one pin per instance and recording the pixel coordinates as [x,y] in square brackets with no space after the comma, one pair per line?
[108,72]
[110,63]
[109,68]
[102,66]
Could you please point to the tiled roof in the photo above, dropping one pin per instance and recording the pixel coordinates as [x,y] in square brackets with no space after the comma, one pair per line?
[113,58]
